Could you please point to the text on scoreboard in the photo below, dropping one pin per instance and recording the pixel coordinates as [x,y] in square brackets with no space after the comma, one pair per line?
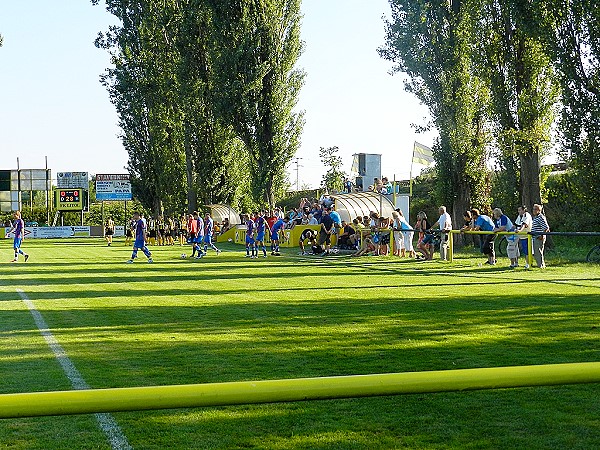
[68,199]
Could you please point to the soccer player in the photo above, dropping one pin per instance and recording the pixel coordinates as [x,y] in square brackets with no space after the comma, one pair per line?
[251,250]
[140,238]
[208,234]
[19,230]
[309,235]
[277,227]
[196,229]
[261,223]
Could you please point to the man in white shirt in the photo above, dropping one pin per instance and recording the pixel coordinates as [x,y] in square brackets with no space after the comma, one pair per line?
[523,225]
[445,224]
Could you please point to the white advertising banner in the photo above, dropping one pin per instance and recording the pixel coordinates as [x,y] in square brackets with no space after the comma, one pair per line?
[113,187]
[51,232]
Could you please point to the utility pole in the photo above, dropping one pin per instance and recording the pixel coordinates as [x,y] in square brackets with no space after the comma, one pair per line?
[297,162]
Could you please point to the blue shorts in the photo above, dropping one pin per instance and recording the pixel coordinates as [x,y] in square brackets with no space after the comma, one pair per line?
[198,239]
[207,239]
[427,238]
[139,243]
[260,237]
[17,243]
[249,240]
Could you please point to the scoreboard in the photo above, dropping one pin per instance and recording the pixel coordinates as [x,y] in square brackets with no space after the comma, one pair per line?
[69,199]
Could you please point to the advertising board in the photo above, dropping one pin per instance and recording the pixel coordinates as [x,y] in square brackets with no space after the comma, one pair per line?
[113,187]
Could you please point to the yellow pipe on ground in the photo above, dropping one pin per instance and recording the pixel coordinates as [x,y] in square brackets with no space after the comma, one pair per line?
[270,391]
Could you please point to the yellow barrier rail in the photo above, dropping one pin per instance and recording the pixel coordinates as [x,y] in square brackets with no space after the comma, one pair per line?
[270,391]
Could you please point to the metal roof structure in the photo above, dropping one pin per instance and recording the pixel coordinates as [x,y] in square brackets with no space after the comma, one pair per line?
[220,212]
[350,206]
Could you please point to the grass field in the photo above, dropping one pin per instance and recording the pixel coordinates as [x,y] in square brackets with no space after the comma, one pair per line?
[226,318]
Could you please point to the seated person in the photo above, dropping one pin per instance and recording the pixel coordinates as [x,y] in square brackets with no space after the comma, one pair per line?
[309,235]
[368,248]
[225,225]
[346,238]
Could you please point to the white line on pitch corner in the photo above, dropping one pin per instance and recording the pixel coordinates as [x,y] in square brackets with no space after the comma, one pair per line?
[107,423]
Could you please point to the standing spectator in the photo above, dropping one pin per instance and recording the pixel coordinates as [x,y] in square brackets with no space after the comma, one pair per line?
[539,224]
[523,224]
[384,235]
[468,225]
[407,235]
[481,222]
[425,242]
[503,223]
[387,187]
[326,231]
[445,224]
[337,220]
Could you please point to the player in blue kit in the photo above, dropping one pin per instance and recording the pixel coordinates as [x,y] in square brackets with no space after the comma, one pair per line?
[250,242]
[140,238]
[18,229]
[261,225]
[208,234]
[277,228]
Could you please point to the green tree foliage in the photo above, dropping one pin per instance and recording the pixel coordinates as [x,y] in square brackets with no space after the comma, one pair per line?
[258,46]
[571,31]
[216,160]
[141,87]
[333,180]
[524,92]
[430,41]
[205,92]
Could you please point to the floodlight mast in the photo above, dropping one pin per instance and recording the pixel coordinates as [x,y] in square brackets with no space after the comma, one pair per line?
[297,162]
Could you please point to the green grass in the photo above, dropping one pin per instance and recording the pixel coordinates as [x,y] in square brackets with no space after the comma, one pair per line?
[227,318]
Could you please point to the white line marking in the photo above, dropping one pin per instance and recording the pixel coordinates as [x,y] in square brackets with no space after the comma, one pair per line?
[107,423]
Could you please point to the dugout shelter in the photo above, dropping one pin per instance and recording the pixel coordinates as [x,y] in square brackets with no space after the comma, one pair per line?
[350,206]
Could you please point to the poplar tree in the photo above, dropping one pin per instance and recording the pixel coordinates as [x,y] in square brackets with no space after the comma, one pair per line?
[430,41]
[524,93]
[258,46]
[571,31]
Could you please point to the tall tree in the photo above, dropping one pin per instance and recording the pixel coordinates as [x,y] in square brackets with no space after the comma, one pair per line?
[141,88]
[571,31]
[216,160]
[524,93]
[258,83]
[180,150]
[333,179]
[430,42]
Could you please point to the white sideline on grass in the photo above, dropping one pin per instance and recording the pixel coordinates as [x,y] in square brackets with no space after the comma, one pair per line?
[107,423]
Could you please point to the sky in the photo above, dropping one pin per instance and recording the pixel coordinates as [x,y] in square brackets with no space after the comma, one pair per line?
[53,105]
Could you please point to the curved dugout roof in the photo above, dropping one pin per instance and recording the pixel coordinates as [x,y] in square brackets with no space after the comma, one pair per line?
[350,206]
[220,212]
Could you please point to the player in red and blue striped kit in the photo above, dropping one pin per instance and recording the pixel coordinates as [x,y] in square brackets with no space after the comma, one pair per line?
[18,229]
[261,225]
[250,242]
[140,238]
